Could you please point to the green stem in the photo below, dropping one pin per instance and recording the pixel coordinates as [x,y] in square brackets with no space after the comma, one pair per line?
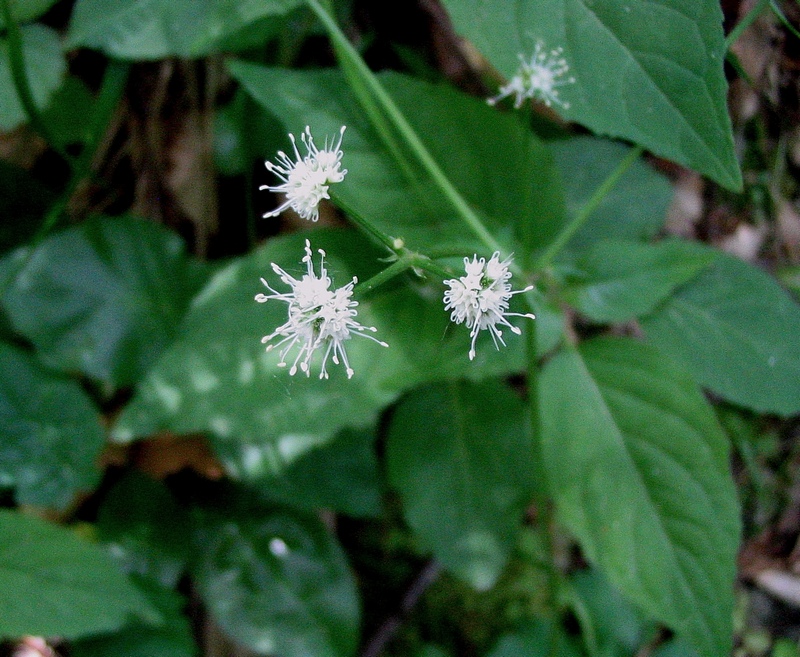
[404,128]
[746,22]
[116,76]
[19,74]
[546,259]
[408,260]
[782,18]
[395,269]
[394,244]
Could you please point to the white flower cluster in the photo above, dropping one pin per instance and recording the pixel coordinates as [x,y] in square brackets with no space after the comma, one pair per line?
[480,299]
[307,179]
[540,77]
[319,318]
[323,319]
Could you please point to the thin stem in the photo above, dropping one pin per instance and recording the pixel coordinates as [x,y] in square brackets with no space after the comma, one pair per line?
[395,269]
[116,76]
[19,74]
[586,211]
[390,627]
[782,18]
[408,260]
[746,22]
[393,113]
[394,244]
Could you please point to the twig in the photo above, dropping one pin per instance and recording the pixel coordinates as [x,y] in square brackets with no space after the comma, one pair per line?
[392,625]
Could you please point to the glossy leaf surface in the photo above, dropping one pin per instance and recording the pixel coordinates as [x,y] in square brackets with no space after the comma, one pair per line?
[279,583]
[103,298]
[51,433]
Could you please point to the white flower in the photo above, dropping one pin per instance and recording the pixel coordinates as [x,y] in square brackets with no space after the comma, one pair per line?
[481,298]
[319,318]
[306,180]
[538,78]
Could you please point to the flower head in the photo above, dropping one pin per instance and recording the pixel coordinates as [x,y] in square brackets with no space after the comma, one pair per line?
[480,299]
[538,78]
[319,318]
[306,179]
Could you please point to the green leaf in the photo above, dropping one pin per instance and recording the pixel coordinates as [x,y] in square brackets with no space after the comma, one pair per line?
[617,281]
[341,476]
[501,169]
[736,330]
[650,71]
[279,583]
[536,638]
[78,589]
[172,639]
[217,378]
[153,29]
[145,529]
[103,298]
[634,209]
[618,627]
[51,431]
[26,10]
[638,468]
[44,65]
[459,455]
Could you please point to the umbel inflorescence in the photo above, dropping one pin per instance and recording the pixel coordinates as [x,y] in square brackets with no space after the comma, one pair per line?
[480,299]
[538,77]
[306,179]
[321,319]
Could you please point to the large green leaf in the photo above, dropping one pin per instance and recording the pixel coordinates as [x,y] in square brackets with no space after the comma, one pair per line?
[638,467]
[617,281]
[736,330]
[634,209]
[216,377]
[153,29]
[173,638]
[460,456]
[650,71]
[341,476]
[79,590]
[51,433]
[616,627]
[279,583]
[44,65]
[501,169]
[102,298]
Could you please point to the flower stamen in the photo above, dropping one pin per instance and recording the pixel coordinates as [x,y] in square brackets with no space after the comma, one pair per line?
[318,318]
